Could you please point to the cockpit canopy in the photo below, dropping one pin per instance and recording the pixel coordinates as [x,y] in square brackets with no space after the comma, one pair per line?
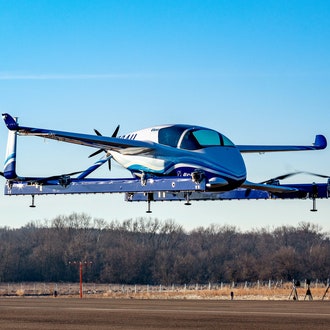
[191,138]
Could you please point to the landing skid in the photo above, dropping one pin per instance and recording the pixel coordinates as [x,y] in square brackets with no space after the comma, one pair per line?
[32,204]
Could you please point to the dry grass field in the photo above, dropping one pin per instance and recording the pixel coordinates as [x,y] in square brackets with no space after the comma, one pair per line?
[202,292]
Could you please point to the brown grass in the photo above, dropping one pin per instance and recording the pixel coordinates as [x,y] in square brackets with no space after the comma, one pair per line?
[216,292]
[222,294]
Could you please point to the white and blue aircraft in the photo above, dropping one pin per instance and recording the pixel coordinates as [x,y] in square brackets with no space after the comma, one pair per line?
[179,158]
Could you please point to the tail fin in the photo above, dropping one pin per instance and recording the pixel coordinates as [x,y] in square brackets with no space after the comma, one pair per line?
[9,171]
[320,142]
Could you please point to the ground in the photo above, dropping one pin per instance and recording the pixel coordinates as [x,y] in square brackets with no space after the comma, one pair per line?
[109,313]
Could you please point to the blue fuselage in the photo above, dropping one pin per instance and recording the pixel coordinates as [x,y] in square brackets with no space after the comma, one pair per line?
[222,165]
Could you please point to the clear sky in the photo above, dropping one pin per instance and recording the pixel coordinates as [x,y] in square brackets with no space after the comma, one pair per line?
[257,71]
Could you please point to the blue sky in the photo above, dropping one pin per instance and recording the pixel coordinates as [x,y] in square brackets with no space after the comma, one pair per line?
[257,71]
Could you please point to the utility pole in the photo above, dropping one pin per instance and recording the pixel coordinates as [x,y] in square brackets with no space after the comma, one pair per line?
[80,263]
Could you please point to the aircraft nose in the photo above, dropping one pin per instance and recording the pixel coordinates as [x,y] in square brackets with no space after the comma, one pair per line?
[229,166]
[232,161]
[239,169]
[227,162]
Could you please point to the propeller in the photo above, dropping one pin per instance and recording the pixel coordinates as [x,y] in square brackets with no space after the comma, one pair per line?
[314,192]
[285,176]
[57,177]
[114,134]
[319,175]
[280,177]
[63,179]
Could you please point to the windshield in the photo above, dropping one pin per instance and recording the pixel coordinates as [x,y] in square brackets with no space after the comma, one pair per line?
[170,136]
[185,137]
[201,138]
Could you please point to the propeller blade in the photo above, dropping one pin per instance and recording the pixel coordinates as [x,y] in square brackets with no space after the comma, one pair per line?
[285,176]
[96,153]
[114,134]
[73,173]
[281,177]
[319,175]
[56,177]
[97,132]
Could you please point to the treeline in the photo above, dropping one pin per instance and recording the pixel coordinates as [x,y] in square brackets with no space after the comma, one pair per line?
[149,251]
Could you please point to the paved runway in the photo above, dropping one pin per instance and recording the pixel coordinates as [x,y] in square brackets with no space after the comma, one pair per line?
[92,313]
